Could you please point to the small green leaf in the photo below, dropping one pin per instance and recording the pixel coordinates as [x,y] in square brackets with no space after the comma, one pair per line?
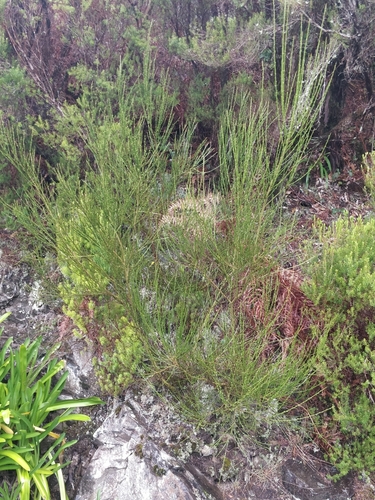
[74,403]
[5,316]
[5,415]
[75,416]
[16,458]
[22,367]
[24,480]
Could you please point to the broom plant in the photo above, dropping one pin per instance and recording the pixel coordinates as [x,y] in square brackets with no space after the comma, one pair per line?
[155,267]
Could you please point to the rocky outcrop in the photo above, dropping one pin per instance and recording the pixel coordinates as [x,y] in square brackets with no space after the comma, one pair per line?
[128,466]
[20,294]
[305,482]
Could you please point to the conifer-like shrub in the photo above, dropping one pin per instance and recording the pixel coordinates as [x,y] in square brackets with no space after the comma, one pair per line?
[88,302]
[342,287]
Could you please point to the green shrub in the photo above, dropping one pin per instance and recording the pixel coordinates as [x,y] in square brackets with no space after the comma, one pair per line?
[28,402]
[116,372]
[342,286]
[96,313]
[368,168]
[102,227]
[151,259]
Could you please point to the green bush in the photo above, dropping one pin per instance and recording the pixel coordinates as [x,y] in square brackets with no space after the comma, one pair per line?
[368,169]
[96,314]
[101,228]
[342,286]
[116,372]
[155,266]
[28,403]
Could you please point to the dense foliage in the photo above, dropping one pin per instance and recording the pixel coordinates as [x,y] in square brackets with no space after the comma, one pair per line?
[29,400]
[342,286]
[149,146]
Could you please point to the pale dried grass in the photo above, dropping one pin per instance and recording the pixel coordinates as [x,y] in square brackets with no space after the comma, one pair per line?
[189,211]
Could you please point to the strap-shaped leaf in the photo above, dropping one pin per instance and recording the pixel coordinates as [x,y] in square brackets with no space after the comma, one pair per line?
[16,458]
[22,368]
[24,480]
[75,403]
[41,483]
[74,416]
[5,316]
[53,370]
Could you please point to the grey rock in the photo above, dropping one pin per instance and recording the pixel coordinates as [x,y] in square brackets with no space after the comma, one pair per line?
[306,483]
[129,466]
[20,295]
[207,451]
[82,381]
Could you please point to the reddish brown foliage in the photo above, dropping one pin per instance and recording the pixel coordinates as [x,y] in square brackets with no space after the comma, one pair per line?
[35,32]
[281,304]
[50,39]
[92,327]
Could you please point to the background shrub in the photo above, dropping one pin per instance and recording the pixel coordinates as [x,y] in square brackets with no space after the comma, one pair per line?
[342,286]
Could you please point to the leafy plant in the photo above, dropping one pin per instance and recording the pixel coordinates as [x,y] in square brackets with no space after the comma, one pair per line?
[116,372]
[368,170]
[342,286]
[197,334]
[30,443]
[101,233]
[157,268]
[325,168]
